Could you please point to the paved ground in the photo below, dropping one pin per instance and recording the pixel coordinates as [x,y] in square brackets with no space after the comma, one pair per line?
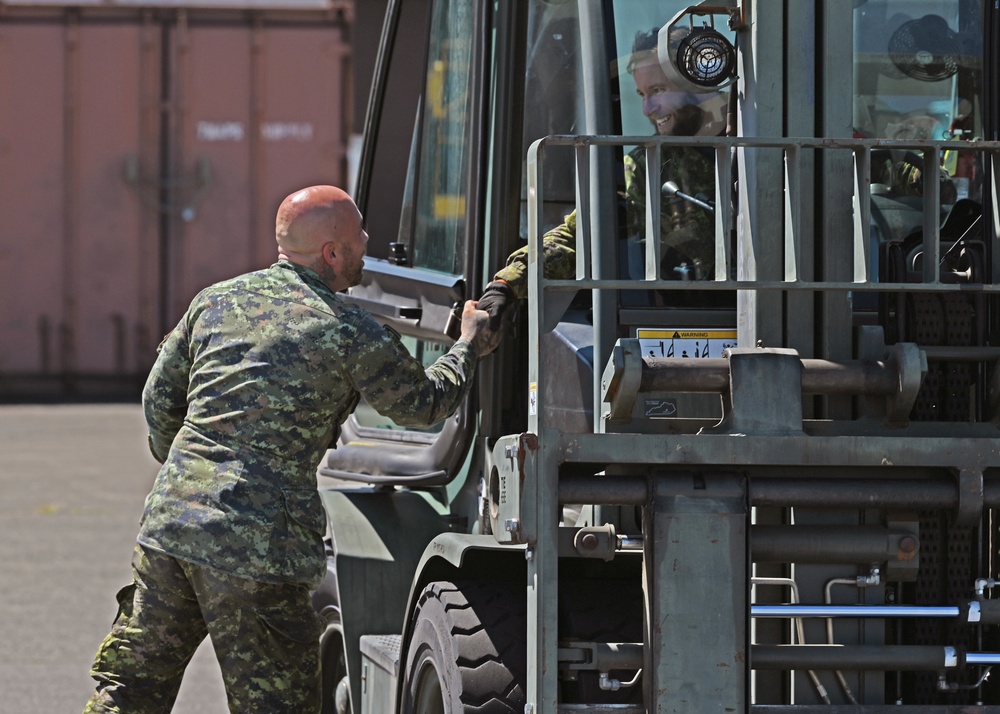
[72,483]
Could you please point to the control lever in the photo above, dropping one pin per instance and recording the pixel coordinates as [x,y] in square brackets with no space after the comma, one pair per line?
[453,328]
[670,189]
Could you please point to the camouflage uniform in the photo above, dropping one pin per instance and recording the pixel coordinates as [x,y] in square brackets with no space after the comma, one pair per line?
[265,636]
[687,231]
[246,395]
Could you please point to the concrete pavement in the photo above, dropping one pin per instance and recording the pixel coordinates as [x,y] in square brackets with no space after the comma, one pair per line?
[72,483]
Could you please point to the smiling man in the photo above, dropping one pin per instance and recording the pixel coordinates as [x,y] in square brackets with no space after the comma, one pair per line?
[687,230]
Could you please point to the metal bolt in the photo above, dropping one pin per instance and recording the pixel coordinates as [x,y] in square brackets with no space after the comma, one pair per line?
[907,544]
[588,541]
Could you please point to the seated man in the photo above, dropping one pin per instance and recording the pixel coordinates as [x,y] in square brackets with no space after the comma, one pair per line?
[687,230]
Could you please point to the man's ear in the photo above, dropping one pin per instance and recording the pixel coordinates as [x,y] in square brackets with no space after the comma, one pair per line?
[329,252]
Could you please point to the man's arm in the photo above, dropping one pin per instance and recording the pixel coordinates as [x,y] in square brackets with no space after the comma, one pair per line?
[164,398]
[510,283]
[396,385]
[558,258]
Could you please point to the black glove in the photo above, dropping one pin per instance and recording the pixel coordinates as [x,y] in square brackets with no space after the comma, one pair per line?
[497,299]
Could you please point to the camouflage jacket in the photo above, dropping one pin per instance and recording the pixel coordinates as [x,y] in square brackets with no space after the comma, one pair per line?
[247,393]
[687,231]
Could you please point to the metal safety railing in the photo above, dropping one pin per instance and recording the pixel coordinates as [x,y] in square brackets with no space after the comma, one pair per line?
[729,153]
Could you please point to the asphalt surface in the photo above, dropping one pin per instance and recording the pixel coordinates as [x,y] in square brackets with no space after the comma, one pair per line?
[72,483]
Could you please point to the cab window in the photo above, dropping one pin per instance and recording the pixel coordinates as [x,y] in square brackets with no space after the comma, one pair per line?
[918,76]
[442,146]
[426,351]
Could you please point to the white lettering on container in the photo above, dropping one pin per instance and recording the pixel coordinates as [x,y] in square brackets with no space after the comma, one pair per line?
[220,131]
[286,131]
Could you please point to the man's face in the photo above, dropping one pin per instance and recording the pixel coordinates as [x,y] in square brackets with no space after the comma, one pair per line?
[346,267]
[353,248]
[671,111]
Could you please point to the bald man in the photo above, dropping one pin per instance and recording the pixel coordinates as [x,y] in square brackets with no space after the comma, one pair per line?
[246,395]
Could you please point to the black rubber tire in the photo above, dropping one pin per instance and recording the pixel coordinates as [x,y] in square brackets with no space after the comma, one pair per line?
[467,653]
[333,666]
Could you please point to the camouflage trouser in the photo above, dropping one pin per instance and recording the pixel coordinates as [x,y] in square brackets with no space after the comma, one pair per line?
[266,638]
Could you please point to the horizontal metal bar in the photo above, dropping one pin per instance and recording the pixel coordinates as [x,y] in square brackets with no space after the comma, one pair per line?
[818,376]
[695,451]
[763,142]
[601,656]
[873,709]
[853,493]
[816,544]
[768,611]
[765,285]
[601,489]
[982,658]
[887,658]
[961,354]
[628,655]
[863,493]
[829,544]
[789,493]
[630,542]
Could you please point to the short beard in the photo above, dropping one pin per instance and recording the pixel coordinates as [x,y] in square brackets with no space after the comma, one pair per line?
[690,119]
[326,272]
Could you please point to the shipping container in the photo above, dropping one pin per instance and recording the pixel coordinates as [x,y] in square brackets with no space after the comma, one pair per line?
[144,150]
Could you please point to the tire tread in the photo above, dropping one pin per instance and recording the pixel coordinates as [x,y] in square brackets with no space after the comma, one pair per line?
[486,622]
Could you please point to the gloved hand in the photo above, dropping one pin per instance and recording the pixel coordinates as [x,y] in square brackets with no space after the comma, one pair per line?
[497,299]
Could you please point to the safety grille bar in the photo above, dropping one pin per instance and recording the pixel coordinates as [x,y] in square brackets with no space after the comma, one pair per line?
[728,152]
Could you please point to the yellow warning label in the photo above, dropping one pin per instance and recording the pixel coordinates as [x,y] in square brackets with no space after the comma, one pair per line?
[685,342]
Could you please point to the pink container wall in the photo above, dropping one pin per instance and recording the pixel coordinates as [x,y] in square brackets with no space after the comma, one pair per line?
[142,157]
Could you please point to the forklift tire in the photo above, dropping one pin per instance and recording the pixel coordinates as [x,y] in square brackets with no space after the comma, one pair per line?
[468,650]
[333,666]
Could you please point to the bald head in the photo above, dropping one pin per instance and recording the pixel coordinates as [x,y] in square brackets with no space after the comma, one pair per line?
[320,227]
[309,218]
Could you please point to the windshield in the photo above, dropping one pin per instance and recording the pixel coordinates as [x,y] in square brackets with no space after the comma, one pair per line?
[918,76]
[439,238]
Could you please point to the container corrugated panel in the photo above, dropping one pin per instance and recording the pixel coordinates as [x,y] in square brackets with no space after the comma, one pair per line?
[142,156]
[260,134]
